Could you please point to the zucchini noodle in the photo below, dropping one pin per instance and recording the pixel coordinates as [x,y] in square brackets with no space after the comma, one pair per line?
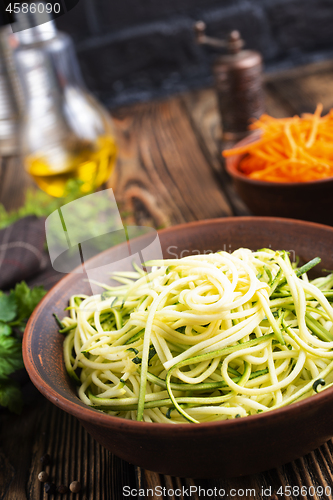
[202,338]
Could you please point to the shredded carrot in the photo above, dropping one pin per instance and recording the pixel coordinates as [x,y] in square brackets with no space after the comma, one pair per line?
[294,149]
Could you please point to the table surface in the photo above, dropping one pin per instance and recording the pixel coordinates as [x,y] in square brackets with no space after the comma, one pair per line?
[169,171]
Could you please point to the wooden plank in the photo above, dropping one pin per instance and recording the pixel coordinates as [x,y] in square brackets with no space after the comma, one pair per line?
[303,92]
[151,481]
[74,456]
[162,176]
[201,107]
[315,68]
[276,105]
[20,440]
[13,182]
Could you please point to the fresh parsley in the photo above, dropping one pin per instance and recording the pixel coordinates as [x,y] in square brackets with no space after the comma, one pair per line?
[15,309]
[26,300]
[8,307]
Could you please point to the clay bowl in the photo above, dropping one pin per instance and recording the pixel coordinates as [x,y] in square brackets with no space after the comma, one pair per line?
[225,449]
[311,201]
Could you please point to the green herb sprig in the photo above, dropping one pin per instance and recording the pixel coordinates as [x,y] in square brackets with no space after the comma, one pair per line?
[15,310]
[41,204]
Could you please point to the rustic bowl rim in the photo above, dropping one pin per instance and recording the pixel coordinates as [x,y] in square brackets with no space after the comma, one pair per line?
[232,167]
[98,418]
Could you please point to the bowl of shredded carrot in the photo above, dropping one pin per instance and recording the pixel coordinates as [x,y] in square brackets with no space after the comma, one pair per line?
[285,167]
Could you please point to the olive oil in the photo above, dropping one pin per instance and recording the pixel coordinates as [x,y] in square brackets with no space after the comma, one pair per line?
[91,164]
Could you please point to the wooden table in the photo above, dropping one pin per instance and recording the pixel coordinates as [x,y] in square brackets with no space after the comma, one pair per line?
[169,171]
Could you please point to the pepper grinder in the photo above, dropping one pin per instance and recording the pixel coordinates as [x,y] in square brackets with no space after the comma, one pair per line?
[238,82]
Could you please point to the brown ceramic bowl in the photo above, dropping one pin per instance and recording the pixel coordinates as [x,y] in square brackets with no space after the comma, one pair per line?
[228,448]
[311,201]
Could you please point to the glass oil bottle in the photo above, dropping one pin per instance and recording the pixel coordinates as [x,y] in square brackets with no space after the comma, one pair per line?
[66,134]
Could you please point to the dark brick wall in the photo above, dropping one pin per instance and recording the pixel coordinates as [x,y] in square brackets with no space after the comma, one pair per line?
[133,50]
